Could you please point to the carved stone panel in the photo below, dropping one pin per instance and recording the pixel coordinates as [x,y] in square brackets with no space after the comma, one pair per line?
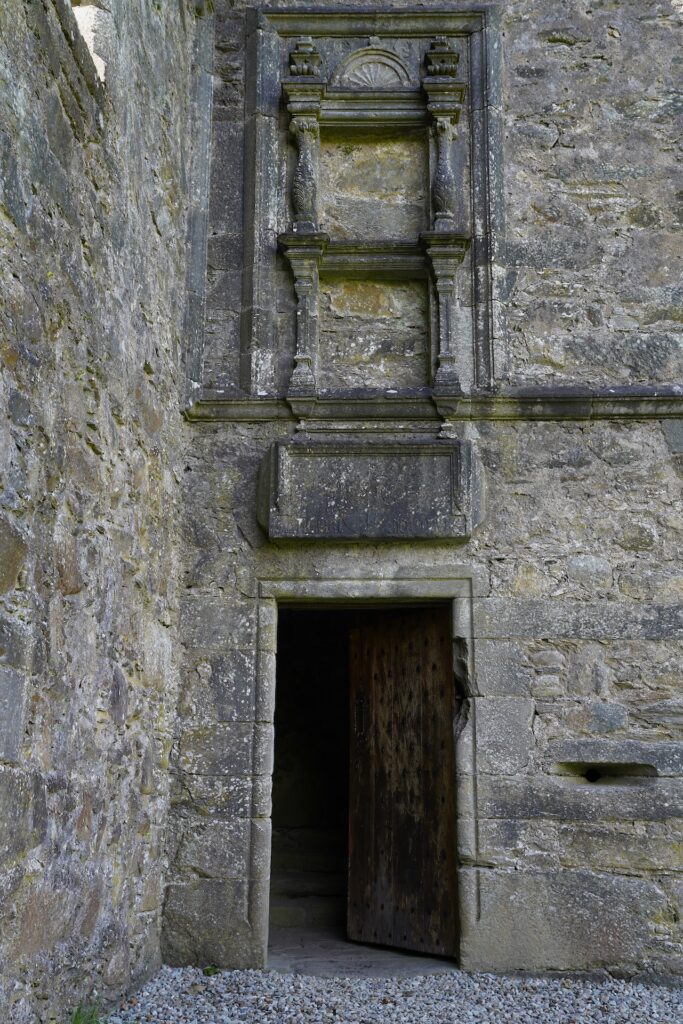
[346,490]
[369,160]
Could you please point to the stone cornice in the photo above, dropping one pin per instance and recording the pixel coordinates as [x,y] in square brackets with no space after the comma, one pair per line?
[352,22]
[525,404]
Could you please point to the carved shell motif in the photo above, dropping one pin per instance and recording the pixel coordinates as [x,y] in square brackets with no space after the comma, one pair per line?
[372,68]
[373,75]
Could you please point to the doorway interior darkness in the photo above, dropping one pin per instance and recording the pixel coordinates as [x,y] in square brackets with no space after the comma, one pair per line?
[363,785]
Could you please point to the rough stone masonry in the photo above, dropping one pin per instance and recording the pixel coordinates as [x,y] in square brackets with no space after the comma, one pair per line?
[272,281]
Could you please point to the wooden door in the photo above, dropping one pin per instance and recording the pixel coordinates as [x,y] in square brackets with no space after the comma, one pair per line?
[402,877]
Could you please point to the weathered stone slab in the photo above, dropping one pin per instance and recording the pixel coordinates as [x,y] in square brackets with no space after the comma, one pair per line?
[353,490]
[208,922]
[222,796]
[611,846]
[22,802]
[501,669]
[13,550]
[502,618]
[564,920]
[216,849]
[579,800]
[504,735]
[233,749]
[214,624]
[374,332]
[665,758]
[374,189]
[12,686]
[14,643]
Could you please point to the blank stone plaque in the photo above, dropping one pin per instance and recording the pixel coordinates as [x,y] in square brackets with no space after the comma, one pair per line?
[348,490]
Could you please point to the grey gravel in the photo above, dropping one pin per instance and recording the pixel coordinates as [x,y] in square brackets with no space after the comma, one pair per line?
[187,996]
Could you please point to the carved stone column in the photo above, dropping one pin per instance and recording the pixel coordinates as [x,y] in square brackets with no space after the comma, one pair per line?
[443,185]
[445,97]
[304,91]
[304,245]
[446,252]
[305,179]
[445,245]
[304,252]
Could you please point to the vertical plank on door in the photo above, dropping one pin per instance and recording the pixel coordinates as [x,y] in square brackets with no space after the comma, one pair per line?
[402,870]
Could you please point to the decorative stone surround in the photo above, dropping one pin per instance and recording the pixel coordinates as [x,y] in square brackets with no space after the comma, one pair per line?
[351,77]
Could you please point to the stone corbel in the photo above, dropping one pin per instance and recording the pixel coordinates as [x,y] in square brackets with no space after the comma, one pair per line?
[446,252]
[304,91]
[304,253]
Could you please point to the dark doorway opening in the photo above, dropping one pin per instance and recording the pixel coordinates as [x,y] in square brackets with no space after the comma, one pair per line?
[311,772]
[364,776]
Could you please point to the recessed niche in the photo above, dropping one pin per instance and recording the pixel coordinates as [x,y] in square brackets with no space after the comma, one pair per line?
[374,188]
[374,332]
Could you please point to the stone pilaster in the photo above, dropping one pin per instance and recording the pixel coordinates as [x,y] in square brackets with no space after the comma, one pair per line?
[304,253]
[446,251]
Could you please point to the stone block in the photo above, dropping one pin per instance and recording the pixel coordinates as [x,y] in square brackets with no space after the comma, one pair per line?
[372,332]
[562,920]
[501,669]
[14,644]
[232,685]
[374,189]
[673,432]
[223,796]
[504,736]
[215,849]
[665,758]
[596,716]
[217,624]
[351,490]
[264,748]
[208,922]
[625,847]
[267,678]
[665,714]
[226,199]
[628,847]
[576,799]
[22,802]
[13,551]
[267,626]
[590,571]
[260,849]
[223,749]
[501,618]
[506,842]
[12,692]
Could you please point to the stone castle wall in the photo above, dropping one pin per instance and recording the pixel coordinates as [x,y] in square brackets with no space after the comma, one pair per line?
[574,647]
[133,570]
[93,212]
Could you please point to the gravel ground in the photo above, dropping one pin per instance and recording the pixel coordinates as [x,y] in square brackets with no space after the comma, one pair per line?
[262,997]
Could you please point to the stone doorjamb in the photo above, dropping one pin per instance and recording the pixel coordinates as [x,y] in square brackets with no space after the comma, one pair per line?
[459,586]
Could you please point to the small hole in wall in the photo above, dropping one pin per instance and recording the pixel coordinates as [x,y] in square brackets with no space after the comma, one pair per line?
[605,773]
